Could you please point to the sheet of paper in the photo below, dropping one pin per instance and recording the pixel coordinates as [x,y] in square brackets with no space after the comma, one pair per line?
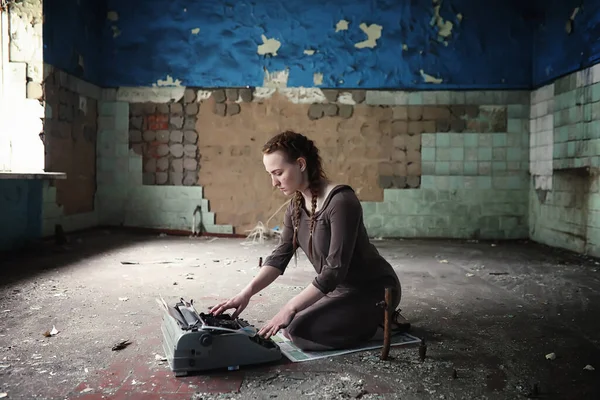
[294,354]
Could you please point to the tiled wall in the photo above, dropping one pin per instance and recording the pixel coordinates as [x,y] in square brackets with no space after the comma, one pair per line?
[123,199]
[474,173]
[564,206]
[425,164]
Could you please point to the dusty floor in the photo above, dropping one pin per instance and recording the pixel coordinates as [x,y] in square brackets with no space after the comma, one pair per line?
[492,312]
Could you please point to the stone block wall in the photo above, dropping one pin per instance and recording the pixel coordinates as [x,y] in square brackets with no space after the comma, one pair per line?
[166,138]
[564,201]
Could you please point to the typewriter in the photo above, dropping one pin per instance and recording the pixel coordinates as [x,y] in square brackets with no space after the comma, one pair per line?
[194,341]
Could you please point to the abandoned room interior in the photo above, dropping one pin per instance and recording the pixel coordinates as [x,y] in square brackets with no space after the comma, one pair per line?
[132,180]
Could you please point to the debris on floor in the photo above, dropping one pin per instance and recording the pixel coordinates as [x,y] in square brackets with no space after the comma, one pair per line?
[121,345]
[52,332]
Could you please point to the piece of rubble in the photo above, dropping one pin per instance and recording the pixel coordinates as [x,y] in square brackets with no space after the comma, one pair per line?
[551,356]
[121,345]
[52,332]
[589,368]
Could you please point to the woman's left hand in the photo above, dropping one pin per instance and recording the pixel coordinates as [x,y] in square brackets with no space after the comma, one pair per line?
[279,321]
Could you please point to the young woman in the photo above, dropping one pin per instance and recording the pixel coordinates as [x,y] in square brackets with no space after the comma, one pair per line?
[340,307]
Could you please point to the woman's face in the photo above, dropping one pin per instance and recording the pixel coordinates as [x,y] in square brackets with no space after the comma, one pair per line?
[286,176]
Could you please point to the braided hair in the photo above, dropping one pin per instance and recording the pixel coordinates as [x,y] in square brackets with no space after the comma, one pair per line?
[294,146]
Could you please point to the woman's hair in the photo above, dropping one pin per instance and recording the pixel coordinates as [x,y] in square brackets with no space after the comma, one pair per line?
[294,145]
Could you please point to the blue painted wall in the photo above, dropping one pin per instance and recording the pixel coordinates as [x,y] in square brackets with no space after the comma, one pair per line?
[557,53]
[21,218]
[489,48]
[73,28]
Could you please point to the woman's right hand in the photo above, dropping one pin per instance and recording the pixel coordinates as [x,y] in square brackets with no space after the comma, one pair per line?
[239,302]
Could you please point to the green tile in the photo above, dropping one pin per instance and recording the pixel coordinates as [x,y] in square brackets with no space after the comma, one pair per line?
[513,140]
[457,154]
[575,114]
[484,182]
[470,168]
[596,92]
[561,134]
[429,196]
[415,98]
[484,168]
[471,154]
[594,110]
[484,154]
[428,168]
[485,140]
[557,119]
[107,108]
[587,112]
[456,168]
[470,139]
[427,182]
[442,140]
[516,182]
[122,150]
[498,166]
[570,149]
[442,182]
[428,139]
[456,182]
[499,140]
[517,111]
[499,154]
[442,154]
[457,140]
[513,154]
[570,98]
[442,168]
[595,129]
[514,125]
[428,154]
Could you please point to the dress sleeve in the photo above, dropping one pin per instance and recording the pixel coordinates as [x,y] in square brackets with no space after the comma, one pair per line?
[282,254]
[345,219]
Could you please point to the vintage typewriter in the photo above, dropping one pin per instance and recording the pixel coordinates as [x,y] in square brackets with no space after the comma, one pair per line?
[195,341]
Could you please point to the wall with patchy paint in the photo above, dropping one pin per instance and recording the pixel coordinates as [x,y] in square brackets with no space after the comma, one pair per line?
[565,38]
[72,34]
[427,164]
[564,201]
[385,44]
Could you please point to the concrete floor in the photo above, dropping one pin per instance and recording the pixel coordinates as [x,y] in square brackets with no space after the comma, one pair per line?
[490,311]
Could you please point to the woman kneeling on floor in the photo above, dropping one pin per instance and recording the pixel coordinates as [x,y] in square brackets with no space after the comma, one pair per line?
[342,306]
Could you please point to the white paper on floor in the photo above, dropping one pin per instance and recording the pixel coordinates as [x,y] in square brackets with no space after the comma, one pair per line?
[294,354]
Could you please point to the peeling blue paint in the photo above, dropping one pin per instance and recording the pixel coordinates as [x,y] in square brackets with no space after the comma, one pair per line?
[498,44]
[21,217]
[73,28]
[557,53]
[489,48]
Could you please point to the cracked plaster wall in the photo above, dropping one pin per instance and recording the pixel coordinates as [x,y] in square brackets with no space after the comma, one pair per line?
[387,44]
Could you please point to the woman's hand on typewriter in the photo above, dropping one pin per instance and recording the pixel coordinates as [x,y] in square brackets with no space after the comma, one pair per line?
[238,302]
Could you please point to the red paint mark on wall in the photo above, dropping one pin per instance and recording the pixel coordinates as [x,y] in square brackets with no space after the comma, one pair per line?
[157,122]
